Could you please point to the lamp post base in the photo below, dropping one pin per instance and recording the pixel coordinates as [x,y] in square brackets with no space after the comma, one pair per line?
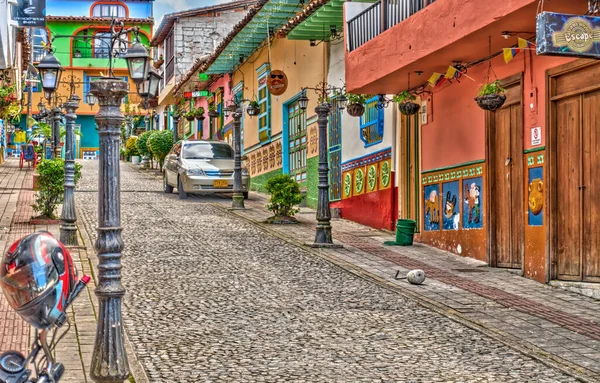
[145,162]
[68,234]
[237,201]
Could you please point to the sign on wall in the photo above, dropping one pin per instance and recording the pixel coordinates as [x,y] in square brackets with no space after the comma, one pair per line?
[536,136]
[568,35]
[197,93]
[30,13]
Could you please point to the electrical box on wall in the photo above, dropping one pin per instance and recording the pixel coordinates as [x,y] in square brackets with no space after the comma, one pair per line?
[532,101]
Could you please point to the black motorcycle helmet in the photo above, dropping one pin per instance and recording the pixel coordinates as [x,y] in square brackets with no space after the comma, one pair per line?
[37,276]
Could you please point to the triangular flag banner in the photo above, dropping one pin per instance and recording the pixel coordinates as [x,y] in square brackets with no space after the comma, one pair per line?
[510,53]
[435,79]
[522,43]
[452,73]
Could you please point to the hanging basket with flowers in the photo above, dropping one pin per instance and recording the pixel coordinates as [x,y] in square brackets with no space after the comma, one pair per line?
[406,103]
[253,109]
[190,115]
[9,107]
[199,113]
[212,111]
[491,96]
[356,104]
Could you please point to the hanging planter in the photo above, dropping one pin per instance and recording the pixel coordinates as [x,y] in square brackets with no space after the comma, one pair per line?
[356,104]
[212,111]
[355,110]
[491,96]
[190,116]
[253,109]
[199,113]
[406,103]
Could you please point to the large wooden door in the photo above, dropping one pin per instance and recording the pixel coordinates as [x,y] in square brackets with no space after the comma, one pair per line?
[505,180]
[409,170]
[578,172]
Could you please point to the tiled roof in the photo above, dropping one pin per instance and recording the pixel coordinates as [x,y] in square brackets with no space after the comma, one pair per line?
[100,20]
[302,15]
[166,23]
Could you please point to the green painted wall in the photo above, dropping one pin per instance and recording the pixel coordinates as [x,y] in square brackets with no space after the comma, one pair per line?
[258,183]
[62,46]
[312,181]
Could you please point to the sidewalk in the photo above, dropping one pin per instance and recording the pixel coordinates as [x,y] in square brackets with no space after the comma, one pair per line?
[557,327]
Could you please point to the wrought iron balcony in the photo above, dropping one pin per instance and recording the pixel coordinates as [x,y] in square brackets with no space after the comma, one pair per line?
[379,17]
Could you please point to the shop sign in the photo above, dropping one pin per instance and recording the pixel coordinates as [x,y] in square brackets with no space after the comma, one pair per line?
[30,13]
[197,93]
[568,35]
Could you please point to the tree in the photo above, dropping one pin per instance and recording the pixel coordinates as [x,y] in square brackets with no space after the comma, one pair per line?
[285,194]
[160,144]
[131,147]
[141,143]
[50,182]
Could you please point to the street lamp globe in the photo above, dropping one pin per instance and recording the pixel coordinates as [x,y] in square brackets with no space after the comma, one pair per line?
[342,101]
[50,71]
[41,107]
[153,82]
[138,62]
[90,99]
[303,101]
[75,100]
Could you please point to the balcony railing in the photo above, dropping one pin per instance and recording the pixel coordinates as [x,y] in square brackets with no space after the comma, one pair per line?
[379,17]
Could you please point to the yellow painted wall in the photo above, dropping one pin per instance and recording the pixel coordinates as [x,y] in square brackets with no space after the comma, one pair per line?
[303,65]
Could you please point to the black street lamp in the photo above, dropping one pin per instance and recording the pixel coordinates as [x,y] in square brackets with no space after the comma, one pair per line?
[149,87]
[323,236]
[156,118]
[50,71]
[90,99]
[68,230]
[176,117]
[138,62]
[235,108]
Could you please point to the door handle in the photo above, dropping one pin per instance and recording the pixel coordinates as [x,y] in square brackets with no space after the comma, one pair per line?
[582,187]
[508,161]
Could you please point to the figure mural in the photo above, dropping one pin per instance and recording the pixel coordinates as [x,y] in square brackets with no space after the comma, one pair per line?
[535,215]
[472,212]
[451,218]
[432,207]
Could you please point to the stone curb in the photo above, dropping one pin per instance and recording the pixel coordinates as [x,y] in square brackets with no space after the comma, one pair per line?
[511,341]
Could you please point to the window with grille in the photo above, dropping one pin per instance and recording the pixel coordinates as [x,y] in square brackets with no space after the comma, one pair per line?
[297,141]
[371,123]
[264,103]
[88,79]
[109,10]
[335,152]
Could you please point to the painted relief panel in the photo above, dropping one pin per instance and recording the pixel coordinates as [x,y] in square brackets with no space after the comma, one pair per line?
[451,205]
[431,221]
[359,181]
[264,159]
[348,185]
[473,204]
[372,171]
[535,215]
[385,174]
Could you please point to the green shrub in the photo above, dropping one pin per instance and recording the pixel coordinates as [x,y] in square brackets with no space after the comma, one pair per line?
[50,182]
[160,144]
[285,194]
[142,143]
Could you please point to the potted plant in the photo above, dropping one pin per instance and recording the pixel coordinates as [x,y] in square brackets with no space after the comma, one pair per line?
[285,195]
[253,108]
[356,104]
[159,62]
[491,96]
[199,113]
[190,115]
[212,111]
[406,103]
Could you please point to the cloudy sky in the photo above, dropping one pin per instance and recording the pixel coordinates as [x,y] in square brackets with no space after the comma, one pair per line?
[167,6]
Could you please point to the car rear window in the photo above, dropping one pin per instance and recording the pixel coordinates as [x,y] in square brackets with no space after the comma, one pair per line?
[205,150]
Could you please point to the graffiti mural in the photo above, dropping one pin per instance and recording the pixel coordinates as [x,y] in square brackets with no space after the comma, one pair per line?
[451,205]
[431,220]
[473,204]
[535,215]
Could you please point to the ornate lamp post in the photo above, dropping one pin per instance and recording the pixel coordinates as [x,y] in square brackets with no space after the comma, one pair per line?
[109,360]
[156,118]
[176,117]
[50,71]
[323,236]
[238,193]
[68,230]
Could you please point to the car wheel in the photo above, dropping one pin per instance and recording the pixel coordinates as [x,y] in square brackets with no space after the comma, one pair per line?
[245,195]
[167,188]
[182,194]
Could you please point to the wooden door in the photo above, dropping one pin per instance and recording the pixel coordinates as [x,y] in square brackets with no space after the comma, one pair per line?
[505,179]
[578,169]
[409,164]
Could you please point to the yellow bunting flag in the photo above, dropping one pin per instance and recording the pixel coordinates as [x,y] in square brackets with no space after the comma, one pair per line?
[452,73]
[509,54]
[435,79]
[522,43]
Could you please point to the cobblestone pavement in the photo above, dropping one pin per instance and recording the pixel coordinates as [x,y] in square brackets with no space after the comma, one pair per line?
[211,297]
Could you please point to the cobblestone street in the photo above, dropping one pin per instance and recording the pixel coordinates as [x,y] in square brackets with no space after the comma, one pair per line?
[212,297]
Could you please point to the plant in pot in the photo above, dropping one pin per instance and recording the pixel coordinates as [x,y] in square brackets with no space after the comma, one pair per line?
[253,108]
[406,103]
[212,111]
[199,113]
[190,115]
[491,96]
[356,104]
[285,195]
[159,62]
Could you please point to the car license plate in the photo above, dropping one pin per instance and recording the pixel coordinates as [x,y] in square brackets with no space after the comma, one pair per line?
[220,183]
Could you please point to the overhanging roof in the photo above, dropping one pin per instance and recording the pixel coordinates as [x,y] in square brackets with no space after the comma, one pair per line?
[316,20]
[247,38]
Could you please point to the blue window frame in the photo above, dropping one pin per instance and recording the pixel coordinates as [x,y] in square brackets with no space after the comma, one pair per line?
[264,103]
[335,152]
[371,123]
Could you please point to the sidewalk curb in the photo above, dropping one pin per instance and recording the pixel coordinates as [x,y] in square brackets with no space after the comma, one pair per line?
[511,341]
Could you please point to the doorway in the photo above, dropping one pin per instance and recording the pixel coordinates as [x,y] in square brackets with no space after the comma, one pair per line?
[504,156]
[408,165]
[574,171]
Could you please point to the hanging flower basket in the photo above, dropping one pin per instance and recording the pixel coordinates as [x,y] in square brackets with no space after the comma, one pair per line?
[190,118]
[201,118]
[252,111]
[355,110]
[158,63]
[490,102]
[409,108]
[213,114]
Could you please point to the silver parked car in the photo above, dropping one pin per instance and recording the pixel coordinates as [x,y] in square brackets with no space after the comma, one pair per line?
[198,166]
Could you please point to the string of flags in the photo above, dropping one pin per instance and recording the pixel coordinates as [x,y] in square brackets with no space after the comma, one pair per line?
[455,73]
[510,53]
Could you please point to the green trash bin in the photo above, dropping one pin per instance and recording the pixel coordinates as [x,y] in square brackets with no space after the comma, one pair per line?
[405,231]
